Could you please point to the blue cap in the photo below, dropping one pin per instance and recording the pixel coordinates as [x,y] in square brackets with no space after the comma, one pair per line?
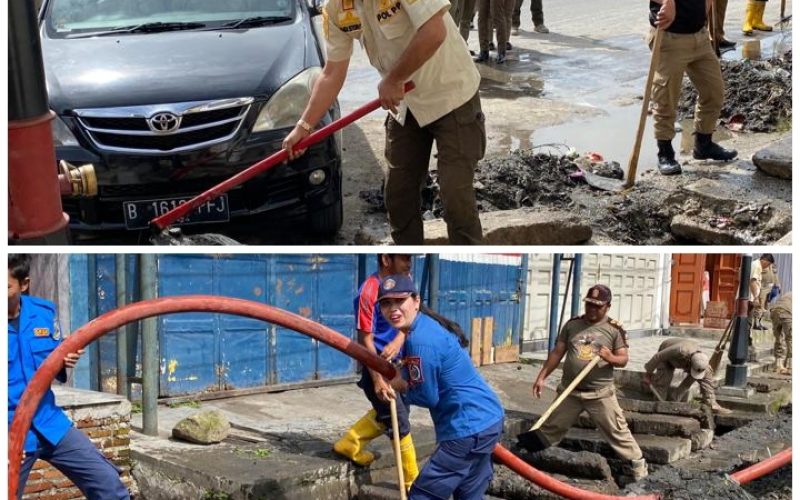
[396,286]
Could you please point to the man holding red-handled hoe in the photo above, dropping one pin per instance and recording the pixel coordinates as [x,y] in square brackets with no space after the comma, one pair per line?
[410,40]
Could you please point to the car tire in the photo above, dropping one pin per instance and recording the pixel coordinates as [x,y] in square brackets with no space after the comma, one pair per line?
[328,221]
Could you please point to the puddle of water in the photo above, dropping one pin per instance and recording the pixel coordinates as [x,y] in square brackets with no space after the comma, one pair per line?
[516,78]
[612,135]
[761,48]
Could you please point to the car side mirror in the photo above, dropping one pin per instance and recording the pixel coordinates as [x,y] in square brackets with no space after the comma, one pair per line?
[315,7]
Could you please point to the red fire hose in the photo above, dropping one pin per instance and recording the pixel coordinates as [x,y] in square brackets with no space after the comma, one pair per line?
[207,303]
[516,464]
[191,303]
[763,468]
[162,221]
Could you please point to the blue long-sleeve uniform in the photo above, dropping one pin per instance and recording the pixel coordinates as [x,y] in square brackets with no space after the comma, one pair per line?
[441,377]
[29,344]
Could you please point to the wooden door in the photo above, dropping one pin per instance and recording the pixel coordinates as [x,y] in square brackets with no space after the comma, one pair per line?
[725,279]
[686,292]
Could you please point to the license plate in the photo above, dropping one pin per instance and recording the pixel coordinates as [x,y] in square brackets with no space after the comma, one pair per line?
[138,214]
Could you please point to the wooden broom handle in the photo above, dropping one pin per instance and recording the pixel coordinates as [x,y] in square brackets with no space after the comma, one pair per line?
[396,442]
[567,391]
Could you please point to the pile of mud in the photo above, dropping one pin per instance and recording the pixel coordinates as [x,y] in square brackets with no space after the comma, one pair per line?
[758,95]
[525,178]
[687,484]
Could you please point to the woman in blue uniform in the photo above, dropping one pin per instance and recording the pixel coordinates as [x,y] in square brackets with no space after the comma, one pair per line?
[33,334]
[439,375]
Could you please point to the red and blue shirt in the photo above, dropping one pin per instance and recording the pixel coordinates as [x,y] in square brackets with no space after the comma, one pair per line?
[368,313]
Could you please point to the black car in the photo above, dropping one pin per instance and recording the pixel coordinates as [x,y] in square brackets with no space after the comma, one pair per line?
[169,97]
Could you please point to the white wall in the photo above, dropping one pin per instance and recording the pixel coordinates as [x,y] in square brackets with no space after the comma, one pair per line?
[636,281]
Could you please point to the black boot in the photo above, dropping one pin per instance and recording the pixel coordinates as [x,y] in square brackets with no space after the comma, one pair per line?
[666,159]
[705,149]
[726,44]
[501,57]
[483,56]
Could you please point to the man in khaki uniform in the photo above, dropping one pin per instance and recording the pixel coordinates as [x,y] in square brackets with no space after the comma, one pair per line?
[494,15]
[685,48]
[769,279]
[682,354]
[581,339]
[410,40]
[781,313]
[754,309]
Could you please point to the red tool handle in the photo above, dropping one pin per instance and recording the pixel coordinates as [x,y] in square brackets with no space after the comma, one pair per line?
[279,157]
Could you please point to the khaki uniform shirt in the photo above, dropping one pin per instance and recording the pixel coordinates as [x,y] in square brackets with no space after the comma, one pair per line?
[755,274]
[583,342]
[385,28]
[784,303]
[676,353]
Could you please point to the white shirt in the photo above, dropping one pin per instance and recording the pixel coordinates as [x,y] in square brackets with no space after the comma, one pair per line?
[385,28]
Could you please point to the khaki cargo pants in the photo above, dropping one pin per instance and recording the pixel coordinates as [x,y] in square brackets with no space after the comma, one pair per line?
[604,410]
[691,54]
[662,380]
[782,330]
[460,142]
[494,15]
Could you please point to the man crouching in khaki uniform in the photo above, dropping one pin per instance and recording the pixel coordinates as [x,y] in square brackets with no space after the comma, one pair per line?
[411,40]
[781,314]
[682,354]
[581,339]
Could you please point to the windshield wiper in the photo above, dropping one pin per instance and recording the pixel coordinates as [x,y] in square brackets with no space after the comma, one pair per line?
[250,22]
[142,28]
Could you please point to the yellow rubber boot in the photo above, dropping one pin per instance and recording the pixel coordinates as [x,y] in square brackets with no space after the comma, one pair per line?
[749,17]
[362,432]
[758,20]
[408,459]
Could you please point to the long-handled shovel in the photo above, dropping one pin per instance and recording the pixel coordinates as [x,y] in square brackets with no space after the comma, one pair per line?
[161,223]
[396,442]
[533,439]
[716,358]
[607,184]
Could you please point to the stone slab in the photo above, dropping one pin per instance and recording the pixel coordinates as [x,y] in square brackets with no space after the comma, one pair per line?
[776,159]
[656,449]
[655,424]
[520,227]
[702,439]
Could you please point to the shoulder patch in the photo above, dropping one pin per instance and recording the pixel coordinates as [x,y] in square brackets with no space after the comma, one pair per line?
[616,324]
[414,366]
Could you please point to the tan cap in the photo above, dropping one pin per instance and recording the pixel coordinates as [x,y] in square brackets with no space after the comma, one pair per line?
[699,365]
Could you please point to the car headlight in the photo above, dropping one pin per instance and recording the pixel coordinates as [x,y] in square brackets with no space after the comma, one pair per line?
[286,106]
[62,135]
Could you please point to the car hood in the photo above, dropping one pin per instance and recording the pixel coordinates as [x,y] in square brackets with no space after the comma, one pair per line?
[141,69]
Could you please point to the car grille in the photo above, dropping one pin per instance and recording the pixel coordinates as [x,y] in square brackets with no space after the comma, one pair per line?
[199,124]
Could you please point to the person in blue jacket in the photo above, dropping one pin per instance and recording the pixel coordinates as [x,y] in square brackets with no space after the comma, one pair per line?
[33,333]
[439,375]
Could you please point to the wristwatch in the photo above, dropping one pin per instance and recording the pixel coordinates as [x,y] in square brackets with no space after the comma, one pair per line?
[304,125]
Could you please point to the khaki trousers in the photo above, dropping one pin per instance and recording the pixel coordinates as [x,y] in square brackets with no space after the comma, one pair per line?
[468,9]
[782,330]
[537,13]
[494,14]
[605,412]
[460,141]
[720,6]
[662,379]
[691,54]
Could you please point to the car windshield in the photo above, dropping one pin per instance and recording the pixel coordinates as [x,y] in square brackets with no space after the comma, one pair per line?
[68,18]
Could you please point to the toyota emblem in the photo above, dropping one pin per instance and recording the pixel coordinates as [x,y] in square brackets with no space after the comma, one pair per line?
[164,122]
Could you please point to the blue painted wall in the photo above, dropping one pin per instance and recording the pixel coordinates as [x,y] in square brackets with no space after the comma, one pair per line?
[213,352]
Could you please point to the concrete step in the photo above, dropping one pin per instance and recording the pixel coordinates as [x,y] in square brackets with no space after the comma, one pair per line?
[662,425]
[388,491]
[656,449]
[768,403]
